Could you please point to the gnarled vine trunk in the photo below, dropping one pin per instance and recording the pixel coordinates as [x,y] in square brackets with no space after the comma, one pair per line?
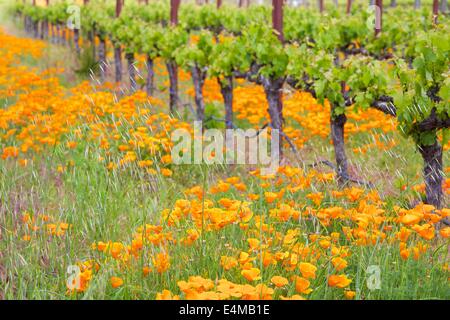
[149,85]
[272,88]
[62,35]
[57,34]
[36,29]
[172,69]
[226,88]
[118,63]
[44,26]
[432,172]
[53,30]
[320,4]
[91,38]
[198,77]
[76,40]
[26,23]
[348,7]
[131,71]
[46,30]
[337,135]
[435,11]
[102,59]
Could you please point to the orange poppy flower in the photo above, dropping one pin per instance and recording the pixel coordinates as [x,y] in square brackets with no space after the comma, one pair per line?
[349,295]
[251,274]
[307,270]
[228,262]
[166,295]
[293,297]
[302,285]
[338,281]
[445,232]
[279,281]
[116,282]
[339,263]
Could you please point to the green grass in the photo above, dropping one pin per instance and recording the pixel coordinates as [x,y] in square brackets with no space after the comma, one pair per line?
[105,206]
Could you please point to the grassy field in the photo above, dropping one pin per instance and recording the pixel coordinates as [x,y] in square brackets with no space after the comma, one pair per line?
[86,180]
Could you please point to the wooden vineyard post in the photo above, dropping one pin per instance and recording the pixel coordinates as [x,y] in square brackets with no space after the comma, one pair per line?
[129,56]
[35,24]
[349,6]
[174,6]
[171,65]
[378,16]
[119,4]
[117,49]
[219,3]
[44,24]
[321,5]
[435,11]
[25,19]
[277,18]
